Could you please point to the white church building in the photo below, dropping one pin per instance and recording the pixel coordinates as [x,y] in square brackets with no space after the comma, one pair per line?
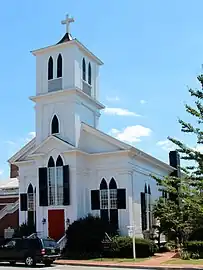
[71,168]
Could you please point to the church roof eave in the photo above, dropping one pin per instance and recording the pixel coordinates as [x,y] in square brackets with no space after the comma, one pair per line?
[25,149]
[100,106]
[64,44]
[151,159]
[33,153]
[130,148]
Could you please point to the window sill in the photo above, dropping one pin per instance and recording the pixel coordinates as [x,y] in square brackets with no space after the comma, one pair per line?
[52,134]
[86,83]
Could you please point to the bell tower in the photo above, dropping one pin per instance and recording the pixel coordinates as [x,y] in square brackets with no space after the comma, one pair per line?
[67,87]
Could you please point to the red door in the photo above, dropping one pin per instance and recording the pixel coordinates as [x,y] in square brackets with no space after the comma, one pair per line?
[56,224]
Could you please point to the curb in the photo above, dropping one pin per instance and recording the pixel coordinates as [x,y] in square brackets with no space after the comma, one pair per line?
[132,266]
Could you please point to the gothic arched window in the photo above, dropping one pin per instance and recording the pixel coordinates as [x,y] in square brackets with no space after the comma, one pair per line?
[59,180]
[55,125]
[89,74]
[113,194]
[59,162]
[145,189]
[83,69]
[51,181]
[104,194]
[149,190]
[59,66]
[50,68]
[30,198]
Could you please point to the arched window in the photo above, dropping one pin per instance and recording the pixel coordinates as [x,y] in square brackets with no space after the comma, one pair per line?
[149,190]
[51,162]
[113,194]
[103,184]
[59,180]
[59,66]
[89,74]
[83,69]
[51,181]
[145,189]
[54,125]
[103,194]
[30,198]
[50,68]
[150,210]
[59,162]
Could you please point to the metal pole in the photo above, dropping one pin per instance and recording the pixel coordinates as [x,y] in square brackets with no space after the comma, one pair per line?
[134,250]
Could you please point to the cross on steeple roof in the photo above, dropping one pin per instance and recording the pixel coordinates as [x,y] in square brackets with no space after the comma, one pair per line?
[67,22]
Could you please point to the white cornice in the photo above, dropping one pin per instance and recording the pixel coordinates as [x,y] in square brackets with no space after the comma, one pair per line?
[68,91]
[133,152]
[66,44]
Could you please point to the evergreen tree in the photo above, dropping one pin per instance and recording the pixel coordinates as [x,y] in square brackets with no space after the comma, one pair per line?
[180,209]
[195,168]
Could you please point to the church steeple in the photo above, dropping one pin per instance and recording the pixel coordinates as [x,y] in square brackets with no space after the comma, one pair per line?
[67,85]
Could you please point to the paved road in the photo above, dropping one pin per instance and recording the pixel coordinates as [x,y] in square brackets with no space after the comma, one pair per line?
[54,267]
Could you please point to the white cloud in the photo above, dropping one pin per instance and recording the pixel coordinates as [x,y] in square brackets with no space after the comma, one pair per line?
[167,145]
[131,134]
[142,101]
[32,134]
[113,99]
[1,172]
[10,142]
[119,111]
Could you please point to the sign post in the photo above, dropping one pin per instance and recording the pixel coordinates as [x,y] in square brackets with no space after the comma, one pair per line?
[132,233]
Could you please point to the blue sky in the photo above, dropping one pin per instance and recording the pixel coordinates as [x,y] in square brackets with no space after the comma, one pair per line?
[152,51]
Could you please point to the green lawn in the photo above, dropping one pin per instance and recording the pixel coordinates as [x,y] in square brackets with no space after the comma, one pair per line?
[180,261]
[118,260]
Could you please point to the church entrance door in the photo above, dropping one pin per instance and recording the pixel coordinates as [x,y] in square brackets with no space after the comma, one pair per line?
[56,223]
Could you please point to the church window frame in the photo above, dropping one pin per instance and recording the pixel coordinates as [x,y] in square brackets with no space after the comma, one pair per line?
[59,66]
[83,69]
[30,198]
[55,125]
[108,195]
[113,194]
[51,182]
[104,198]
[50,70]
[59,181]
[55,182]
[89,74]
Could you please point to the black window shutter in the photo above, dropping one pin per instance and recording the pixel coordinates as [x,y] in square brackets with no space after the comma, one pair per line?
[66,185]
[121,198]
[43,187]
[95,200]
[104,215]
[114,218]
[23,201]
[143,211]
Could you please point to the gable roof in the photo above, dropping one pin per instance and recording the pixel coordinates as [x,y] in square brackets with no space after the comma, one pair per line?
[23,151]
[47,140]
[125,146]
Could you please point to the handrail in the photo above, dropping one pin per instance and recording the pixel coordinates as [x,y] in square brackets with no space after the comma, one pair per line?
[62,242]
[9,209]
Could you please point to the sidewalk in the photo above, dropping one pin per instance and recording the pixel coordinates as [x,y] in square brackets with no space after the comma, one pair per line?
[155,262]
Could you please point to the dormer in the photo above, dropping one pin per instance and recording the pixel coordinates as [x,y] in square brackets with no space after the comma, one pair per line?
[67,65]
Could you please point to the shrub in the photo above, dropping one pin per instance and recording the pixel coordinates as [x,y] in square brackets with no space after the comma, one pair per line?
[196,235]
[84,237]
[123,247]
[184,255]
[194,246]
[24,230]
[195,256]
